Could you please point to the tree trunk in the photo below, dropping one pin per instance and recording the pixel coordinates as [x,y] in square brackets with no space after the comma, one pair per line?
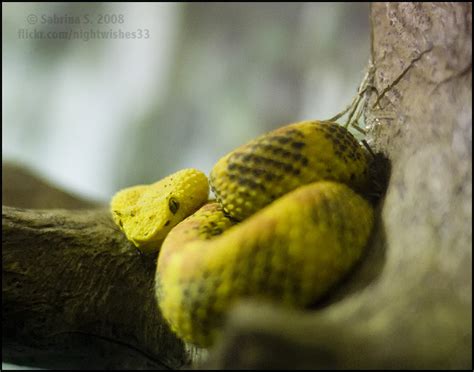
[77,295]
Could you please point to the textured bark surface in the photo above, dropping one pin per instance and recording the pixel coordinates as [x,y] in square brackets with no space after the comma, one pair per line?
[75,293]
[409,305]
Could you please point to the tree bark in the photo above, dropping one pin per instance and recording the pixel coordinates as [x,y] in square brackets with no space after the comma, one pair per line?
[75,293]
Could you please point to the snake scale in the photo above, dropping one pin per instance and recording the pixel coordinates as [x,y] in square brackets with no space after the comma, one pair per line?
[288,223]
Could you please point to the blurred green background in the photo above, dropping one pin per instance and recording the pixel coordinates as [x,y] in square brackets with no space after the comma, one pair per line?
[100,114]
[94,111]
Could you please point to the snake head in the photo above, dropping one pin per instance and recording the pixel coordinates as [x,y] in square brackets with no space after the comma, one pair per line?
[146,213]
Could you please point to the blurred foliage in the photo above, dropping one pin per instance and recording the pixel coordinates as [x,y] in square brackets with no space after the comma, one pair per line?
[102,114]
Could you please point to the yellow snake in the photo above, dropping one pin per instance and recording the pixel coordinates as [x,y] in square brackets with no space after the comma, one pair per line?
[288,224]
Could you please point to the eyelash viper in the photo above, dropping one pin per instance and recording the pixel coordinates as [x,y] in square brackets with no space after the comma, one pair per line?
[304,224]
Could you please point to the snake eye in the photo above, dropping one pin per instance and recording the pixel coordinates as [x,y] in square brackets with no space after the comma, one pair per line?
[173,205]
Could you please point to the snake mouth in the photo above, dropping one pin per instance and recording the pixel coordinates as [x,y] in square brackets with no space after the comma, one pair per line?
[153,231]
[150,240]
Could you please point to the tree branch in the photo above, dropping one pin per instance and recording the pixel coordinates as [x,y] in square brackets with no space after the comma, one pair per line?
[76,294]
[23,188]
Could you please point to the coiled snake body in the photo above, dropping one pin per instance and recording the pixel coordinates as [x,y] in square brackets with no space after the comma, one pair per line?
[287,225]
